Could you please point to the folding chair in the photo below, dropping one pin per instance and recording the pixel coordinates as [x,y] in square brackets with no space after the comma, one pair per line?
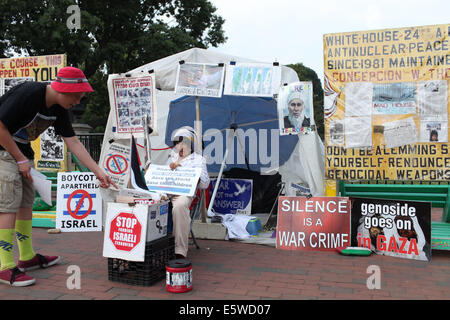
[196,213]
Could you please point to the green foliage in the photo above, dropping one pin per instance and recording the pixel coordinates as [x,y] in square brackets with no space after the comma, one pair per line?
[115,36]
[307,74]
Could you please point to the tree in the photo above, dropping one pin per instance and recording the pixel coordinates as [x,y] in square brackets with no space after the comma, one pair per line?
[115,36]
[307,74]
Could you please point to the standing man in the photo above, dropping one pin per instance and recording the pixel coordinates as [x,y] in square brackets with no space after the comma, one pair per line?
[26,111]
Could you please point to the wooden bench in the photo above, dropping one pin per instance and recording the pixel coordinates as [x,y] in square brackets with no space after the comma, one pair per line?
[438,195]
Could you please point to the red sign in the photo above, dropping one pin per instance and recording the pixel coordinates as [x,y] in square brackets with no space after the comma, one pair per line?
[125,231]
[317,223]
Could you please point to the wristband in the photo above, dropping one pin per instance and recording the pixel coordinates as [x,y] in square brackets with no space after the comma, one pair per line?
[23,161]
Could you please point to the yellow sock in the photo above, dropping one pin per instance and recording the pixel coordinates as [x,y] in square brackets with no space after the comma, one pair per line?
[6,249]
[23,236]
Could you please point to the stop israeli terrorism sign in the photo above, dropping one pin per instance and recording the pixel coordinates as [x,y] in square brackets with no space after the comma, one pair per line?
[125,231]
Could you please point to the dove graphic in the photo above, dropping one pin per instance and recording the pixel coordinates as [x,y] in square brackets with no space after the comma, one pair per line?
[240,189]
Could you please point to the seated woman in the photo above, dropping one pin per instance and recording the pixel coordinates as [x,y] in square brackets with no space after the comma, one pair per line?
[184,140]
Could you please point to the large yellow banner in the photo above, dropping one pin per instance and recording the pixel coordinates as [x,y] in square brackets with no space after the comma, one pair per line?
[49,150]
[387,104]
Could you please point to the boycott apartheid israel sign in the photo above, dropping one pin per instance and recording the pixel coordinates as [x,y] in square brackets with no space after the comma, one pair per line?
[392,227]
[317,223]
[125,231]
[79,203]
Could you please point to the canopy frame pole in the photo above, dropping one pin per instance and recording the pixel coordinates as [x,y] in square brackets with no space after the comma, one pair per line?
[148,145]
[231,134]
[198,146]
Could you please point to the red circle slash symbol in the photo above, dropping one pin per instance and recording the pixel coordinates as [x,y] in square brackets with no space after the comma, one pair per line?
[84,195]
[117,164]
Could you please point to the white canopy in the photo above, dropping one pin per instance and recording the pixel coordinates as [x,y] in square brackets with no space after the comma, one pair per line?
[306,164]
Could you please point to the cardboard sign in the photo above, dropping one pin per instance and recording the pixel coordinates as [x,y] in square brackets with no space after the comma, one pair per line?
[79,203]
[392,227]
[181,181]
[125,231]
[317,223]
[233,196]
[116,162]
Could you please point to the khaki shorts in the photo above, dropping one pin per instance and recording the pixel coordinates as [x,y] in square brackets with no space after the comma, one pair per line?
[15,190]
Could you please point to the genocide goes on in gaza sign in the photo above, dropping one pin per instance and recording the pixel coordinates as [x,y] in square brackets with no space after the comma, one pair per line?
[386,104]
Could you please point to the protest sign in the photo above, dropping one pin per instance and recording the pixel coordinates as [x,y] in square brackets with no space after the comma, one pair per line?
[116,162]
[181,181]
[392,227]
[132,99]
[79,203]
[233,196]
[316,223]
[375,80]
[125,231]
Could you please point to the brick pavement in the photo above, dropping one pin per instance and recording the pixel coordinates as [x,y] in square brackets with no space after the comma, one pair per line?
[229,270]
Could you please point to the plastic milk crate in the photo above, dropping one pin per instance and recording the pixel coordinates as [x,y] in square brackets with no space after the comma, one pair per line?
[157,253]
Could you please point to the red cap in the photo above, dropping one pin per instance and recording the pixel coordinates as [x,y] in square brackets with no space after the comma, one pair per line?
[70,79]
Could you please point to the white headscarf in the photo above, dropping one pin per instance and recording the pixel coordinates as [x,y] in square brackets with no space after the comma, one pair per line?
[186,132]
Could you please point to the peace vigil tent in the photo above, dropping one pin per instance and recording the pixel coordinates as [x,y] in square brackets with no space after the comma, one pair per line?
[301,160]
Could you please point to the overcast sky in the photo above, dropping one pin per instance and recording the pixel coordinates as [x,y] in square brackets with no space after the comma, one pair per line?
[291,31]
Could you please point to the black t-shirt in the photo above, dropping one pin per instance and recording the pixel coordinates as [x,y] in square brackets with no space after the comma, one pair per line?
[24,112]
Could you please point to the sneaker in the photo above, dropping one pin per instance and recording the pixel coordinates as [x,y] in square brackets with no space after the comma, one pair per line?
[16,278]
[39,261]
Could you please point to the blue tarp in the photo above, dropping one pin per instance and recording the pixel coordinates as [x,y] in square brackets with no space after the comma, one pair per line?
[221,113]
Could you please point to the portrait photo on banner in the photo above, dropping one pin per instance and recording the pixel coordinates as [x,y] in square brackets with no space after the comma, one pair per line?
[295,108]
[200,79]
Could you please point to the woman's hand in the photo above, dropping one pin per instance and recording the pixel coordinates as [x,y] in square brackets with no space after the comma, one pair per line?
[174,165]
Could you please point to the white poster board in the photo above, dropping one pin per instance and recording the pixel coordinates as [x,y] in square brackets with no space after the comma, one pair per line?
[133,98]
[358,99]
[116,162]
[200,79]
[79,202]
[125,231]
[252,79]
[358,132]
[181,181]
[400,132]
